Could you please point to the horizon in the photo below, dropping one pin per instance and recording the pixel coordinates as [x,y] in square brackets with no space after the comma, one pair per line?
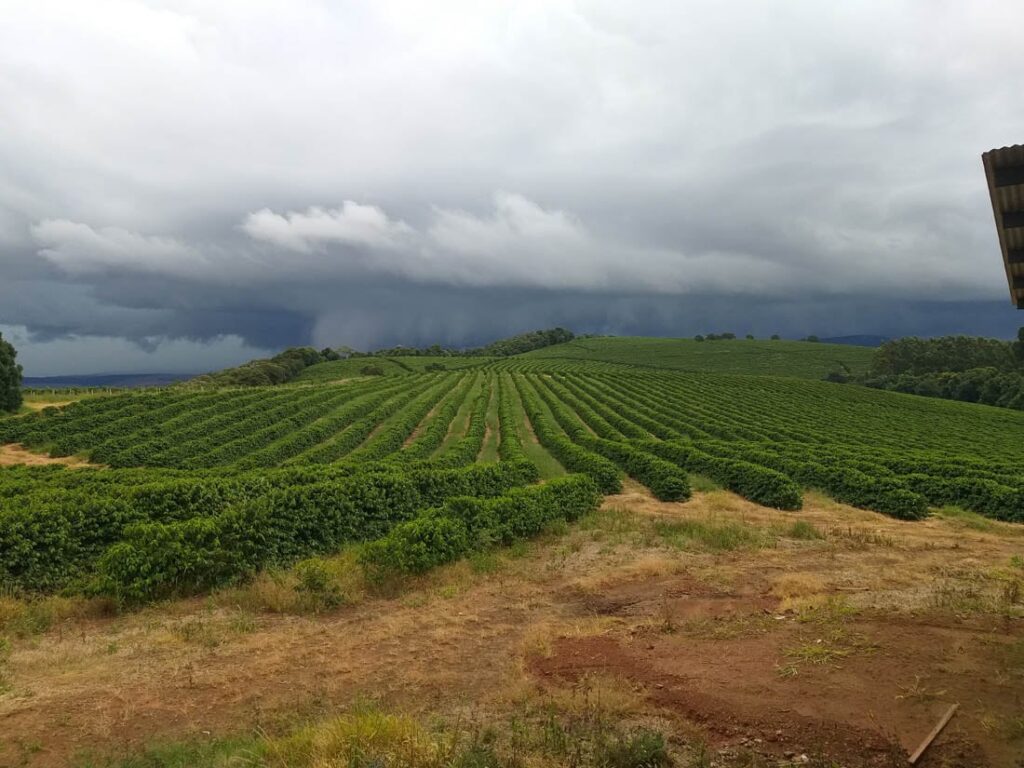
[840,340]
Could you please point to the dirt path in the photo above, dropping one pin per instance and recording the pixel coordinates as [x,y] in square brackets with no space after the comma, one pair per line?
[849,645]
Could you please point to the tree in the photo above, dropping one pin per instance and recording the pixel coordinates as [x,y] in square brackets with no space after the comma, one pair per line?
[698,337]
[775,337]
[812,337]
[10,378]
[750,337]
[1018,345]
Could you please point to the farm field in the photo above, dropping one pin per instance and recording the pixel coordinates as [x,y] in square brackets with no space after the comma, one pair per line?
[687,501]
[393,366]
[779,358]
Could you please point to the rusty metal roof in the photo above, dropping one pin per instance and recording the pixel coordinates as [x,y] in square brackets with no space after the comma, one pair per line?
[1004,169]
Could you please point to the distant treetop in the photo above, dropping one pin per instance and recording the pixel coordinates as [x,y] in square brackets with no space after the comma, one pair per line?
[10,377]
[287,365]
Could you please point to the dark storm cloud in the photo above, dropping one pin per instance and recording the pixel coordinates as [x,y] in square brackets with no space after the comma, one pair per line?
[242,177]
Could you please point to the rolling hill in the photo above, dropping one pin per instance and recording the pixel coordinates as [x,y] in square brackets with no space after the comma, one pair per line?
[778,358]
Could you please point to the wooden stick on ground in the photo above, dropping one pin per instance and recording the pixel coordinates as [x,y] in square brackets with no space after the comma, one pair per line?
[935,732]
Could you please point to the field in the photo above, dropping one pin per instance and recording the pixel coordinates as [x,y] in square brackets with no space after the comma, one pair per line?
[781,358]
[710,496]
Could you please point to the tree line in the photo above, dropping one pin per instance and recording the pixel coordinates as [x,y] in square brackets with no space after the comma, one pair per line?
[966,368]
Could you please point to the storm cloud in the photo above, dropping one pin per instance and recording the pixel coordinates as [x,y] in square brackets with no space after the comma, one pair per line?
[188,184]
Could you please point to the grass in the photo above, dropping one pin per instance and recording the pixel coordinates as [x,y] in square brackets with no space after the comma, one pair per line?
[818,652]
[489,450]
[561,730]
[703,484]
[460,423]
[233,751]
[966,519]
[311,586]
[547,465]
[803,531]
[711,534]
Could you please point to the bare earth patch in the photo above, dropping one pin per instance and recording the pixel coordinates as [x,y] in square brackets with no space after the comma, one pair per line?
[14,453]
[848,646]
[38,405]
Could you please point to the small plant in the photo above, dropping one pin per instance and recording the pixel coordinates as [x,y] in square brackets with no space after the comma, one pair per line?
[819,652]
[804,531]
[918,691]
[640,749]
[317,584]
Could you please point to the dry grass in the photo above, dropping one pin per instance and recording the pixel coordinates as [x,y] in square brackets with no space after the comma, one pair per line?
[790,585]
[462,636]
[16,454]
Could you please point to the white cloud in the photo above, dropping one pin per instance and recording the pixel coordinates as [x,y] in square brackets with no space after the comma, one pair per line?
[352,224]
[79,249]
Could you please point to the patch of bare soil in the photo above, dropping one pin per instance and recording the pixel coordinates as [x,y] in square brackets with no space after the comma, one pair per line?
[41,404]
[848,647]
[14,454]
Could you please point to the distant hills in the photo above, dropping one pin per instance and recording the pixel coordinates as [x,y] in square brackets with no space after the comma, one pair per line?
[112,380]
[863,340]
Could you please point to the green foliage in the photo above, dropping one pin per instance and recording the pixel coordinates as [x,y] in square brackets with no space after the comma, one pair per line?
[640,749]
[572,456]
[776,358]
[278,369]
[10,378]
[752,481]
[989,386]
[465,523]
[207,486]
[526,342]
[915,356]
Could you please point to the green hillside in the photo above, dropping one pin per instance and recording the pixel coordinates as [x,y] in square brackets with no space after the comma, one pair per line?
[206,486]
[337,370]
[802,359]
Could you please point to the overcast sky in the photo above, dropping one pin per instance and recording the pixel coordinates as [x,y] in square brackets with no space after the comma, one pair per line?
[186,185]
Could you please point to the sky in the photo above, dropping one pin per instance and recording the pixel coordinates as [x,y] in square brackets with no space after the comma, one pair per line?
[187,185]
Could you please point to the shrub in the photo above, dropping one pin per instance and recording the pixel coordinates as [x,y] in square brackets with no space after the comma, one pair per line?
[418,545]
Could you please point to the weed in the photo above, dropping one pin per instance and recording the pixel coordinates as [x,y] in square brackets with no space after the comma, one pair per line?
[198,631]
[519,549]
[917,691]
[803,531]
[787,670]
[484,562]
[639,749]
[818,652]
[965,519]
[703,484]
[316,583]
[859,539]
[710,534]
[832,610]
[668,615]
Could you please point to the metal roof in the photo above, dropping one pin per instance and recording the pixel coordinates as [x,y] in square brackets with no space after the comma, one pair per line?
[1004,169]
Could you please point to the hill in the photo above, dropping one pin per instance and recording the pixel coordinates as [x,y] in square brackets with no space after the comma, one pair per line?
[807,360]
[337,370]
